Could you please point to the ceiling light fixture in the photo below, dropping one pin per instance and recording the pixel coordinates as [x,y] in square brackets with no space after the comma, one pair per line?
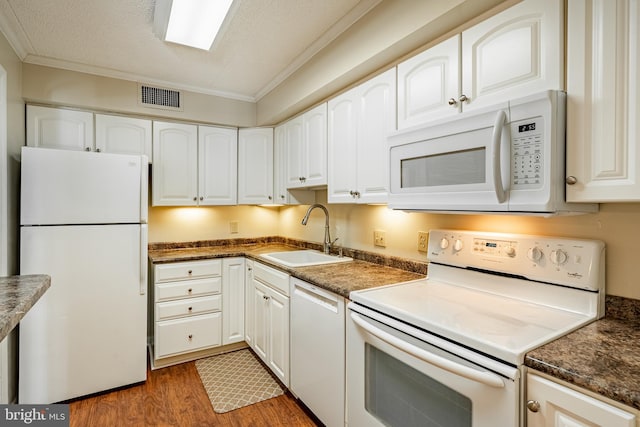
[192,23]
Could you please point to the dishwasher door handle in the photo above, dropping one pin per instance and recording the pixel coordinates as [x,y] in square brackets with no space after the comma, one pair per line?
[316,296]
[486,378]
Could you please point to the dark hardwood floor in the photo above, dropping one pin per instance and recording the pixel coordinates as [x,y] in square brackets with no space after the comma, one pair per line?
[175,396]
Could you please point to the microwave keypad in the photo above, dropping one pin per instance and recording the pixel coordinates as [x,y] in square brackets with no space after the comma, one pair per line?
[527,155]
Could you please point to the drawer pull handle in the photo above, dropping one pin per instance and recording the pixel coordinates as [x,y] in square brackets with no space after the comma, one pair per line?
[190,272]
[190,309]
[189,290]
[190,336]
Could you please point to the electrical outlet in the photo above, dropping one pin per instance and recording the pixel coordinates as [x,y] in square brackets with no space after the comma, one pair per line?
[423,241]
[233,227]
[380,238]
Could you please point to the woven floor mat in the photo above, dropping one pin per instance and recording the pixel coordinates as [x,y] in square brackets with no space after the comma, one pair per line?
[236,379]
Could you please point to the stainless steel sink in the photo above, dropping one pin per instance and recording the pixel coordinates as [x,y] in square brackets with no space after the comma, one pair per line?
[303,258]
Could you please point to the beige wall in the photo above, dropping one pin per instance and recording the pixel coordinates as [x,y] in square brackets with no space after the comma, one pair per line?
[69,88]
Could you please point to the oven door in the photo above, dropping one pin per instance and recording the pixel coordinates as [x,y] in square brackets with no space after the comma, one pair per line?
[396,378]
[461,165]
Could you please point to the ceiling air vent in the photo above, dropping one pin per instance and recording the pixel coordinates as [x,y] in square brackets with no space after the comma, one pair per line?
[156,97]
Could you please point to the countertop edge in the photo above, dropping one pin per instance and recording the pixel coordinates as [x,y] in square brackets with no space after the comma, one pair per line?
[18,294]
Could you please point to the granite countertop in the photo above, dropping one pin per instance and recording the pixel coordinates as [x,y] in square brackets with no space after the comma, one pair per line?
[17,295]
[365,271]
[602,357]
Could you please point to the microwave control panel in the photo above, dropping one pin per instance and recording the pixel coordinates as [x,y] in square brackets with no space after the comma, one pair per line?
[527,153]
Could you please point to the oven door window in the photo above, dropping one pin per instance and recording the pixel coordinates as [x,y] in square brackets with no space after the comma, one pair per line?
[399,395]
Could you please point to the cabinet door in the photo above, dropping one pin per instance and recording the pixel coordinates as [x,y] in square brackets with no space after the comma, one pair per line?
[233,272]
[255,166]
[294,151]
[59,128]
[429,84]
[377,119]
[342,143]
[281,193]
[175,164]
[249,290]
[515,53]
[217,166]
[278,353]
[314,156]
[123,135]
[261,325]
[560,406]
[602,104]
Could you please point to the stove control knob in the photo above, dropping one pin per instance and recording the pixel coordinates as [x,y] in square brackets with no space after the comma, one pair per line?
[558,256]
[510,251]
[444,243]
[457,246]
[534,254]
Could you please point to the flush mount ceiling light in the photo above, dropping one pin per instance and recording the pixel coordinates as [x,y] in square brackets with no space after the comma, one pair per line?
[192,23]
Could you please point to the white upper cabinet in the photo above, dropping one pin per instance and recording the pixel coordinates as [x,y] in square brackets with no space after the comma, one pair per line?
[175,164]
[281,194]
[518,52]
[515,53]
[59,128]
[123,135]
[359,122]
[603,71]
[194,165]
[255,166]
[307,149]
[217,166]
[429,84]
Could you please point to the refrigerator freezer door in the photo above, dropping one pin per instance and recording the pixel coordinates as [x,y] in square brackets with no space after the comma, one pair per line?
[75,187]
[88,331]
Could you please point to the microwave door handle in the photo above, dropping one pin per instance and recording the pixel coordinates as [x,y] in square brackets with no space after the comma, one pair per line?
[496,146]
[485,378]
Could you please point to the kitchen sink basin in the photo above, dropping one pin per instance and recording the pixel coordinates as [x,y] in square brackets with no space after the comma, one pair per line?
[303,258]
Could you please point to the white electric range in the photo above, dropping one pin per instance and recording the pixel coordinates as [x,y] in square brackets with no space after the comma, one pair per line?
[449,350]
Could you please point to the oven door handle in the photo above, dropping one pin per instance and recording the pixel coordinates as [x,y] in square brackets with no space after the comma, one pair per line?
[486,378]
[497,165]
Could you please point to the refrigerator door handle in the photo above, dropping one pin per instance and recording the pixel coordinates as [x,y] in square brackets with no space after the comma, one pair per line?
[144,189]
[143,258]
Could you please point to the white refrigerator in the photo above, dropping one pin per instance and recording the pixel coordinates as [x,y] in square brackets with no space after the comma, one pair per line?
[83,222]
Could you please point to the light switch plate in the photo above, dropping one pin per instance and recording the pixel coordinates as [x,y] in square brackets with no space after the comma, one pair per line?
[380,238]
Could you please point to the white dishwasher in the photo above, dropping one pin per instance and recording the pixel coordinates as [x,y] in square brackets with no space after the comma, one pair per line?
[318,351]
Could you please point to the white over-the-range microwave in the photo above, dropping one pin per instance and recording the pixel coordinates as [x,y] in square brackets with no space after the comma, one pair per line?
[508,158]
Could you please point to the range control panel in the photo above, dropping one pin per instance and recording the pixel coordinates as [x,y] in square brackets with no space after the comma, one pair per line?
[571,262]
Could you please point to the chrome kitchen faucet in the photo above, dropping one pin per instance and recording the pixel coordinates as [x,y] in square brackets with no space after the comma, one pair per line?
[327,238]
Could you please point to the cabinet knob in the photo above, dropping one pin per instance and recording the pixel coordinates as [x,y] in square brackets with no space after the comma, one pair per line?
[270,198]
[463,98]
[452,101]
[282,196]
[189,290]
[195,199]
[190,337]
[201,198]
[190,272]
[190,309]
[571,180]
[533,405]
[97,150]
[87,149]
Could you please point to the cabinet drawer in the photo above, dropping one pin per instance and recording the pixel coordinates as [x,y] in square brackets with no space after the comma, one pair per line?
[188,288]
[187,270]
[271,277]
[188,334]
[188,307]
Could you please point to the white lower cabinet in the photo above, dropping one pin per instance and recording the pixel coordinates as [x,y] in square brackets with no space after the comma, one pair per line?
[195,306]
[267,316]
[551,404]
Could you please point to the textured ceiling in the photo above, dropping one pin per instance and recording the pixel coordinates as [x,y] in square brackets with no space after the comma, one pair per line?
[264,41]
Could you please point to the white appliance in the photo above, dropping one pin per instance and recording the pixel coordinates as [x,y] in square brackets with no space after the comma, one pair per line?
[317,351]
[83,222]
[508,158]
[449,350]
